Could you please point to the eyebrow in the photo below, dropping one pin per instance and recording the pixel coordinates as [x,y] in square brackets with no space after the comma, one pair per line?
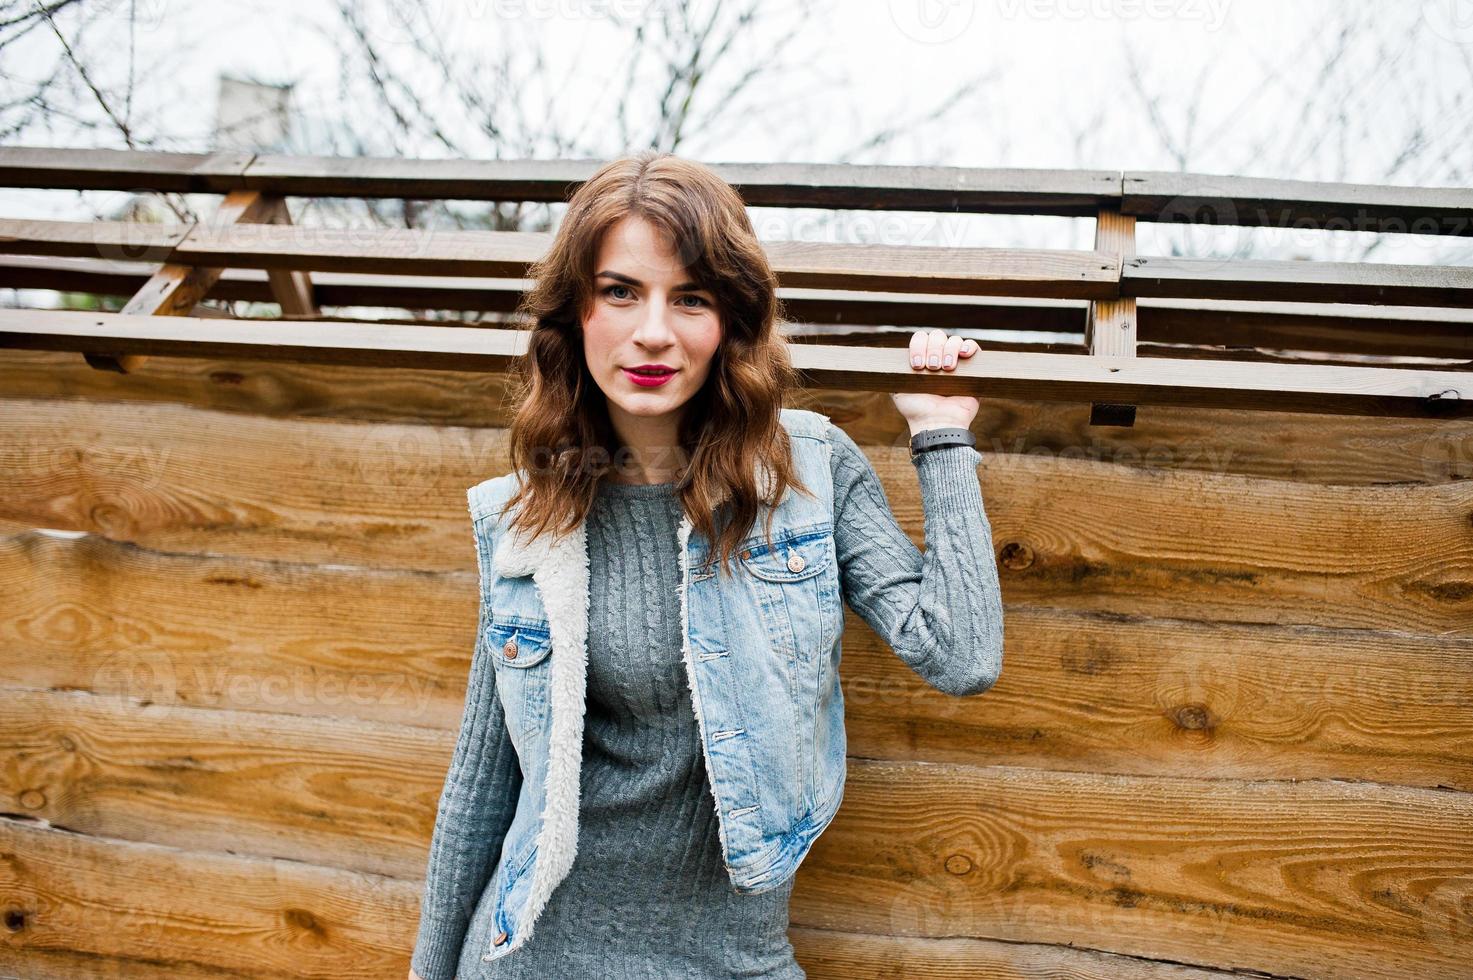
[685,287]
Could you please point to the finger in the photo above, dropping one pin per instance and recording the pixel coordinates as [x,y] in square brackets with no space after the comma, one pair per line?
[934,343]
[918,349]
[948,352]
[969,347]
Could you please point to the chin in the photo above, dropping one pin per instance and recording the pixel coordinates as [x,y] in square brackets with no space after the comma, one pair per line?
[652,406]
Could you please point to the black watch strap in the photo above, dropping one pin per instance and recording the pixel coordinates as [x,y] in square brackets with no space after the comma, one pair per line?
[929,439]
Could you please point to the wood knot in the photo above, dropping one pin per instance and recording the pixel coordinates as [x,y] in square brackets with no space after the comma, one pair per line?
[15,919]
[1193,717]
[959,864]
[301,919]
[1015,555]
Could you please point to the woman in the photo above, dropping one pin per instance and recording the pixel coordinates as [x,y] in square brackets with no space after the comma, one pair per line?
[653,728]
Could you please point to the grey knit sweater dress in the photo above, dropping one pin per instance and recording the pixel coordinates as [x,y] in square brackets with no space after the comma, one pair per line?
[648,897]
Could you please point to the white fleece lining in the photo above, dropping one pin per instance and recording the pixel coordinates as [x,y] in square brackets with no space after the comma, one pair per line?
[690,678]
[560,570]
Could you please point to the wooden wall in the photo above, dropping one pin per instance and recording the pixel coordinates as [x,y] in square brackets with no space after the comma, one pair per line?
[1233,732]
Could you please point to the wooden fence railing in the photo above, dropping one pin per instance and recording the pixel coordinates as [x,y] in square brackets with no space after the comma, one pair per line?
[1345,308]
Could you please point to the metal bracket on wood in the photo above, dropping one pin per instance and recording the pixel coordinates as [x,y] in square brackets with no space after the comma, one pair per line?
[1110,325]
[175,289]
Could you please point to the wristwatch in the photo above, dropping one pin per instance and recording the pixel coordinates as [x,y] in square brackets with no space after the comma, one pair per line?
[929,439]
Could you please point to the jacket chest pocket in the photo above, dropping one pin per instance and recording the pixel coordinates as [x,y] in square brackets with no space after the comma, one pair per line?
[796,583]
[520,644]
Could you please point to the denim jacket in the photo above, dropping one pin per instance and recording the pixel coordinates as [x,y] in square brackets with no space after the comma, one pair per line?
[761,647]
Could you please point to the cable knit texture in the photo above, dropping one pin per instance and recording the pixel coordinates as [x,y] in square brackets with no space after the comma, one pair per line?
[648,895]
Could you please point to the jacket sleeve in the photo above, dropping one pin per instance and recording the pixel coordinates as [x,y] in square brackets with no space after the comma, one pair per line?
[941,611]
[474,813]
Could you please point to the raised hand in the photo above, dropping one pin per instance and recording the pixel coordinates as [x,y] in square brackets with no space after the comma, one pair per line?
[935,350]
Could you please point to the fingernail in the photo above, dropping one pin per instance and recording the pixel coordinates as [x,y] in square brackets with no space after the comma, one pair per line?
[915,361]
[935,361]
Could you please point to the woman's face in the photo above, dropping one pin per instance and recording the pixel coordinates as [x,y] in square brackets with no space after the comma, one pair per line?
[647,313]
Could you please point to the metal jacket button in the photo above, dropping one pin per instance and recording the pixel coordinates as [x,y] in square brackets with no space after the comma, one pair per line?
[796,563]
[510,649]
[500,938]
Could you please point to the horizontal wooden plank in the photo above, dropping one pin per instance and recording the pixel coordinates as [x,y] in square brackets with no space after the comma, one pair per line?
[926,269]
[240,635]
[973,271]
[996,190]
[72,168]
[1319,388]
[1126,694]
[281,389]
[1216,547]
[1070,533]
[1271,877]
[1117,693]
[1336,389]
[1296,204]
[144,910]
[1289,281]
[823,953]
[1339,327]
[856,956]
[134,241]
[65,964]
[231,484]
[1310,879]
[63,940]
[122,278]
[908,269]
[344,792]
[1401,331]
[1280,446]
[1148,195]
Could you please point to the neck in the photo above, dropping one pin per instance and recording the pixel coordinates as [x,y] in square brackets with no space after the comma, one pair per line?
[650,448]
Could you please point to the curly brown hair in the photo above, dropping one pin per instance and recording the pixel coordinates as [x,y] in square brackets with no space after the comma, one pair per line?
[561,435]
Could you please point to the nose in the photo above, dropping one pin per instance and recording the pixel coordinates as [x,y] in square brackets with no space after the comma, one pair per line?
[654,330]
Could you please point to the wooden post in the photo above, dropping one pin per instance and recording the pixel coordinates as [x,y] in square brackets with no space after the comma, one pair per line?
[292,288]
[175,289]
[1110,326]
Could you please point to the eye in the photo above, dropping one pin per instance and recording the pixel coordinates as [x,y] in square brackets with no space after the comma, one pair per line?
[609,290]
[700,300]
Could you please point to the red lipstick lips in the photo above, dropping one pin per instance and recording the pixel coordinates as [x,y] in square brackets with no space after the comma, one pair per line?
[649,375]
